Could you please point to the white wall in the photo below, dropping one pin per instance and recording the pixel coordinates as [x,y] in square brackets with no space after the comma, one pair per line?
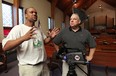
[58,18]
[43,8]
[105,10]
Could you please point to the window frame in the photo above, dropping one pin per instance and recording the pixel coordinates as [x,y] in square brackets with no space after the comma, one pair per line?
[51,23]
[5,28]
[22,13]
[12,14]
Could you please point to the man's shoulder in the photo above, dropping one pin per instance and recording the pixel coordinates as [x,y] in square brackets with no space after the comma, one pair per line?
[19,26]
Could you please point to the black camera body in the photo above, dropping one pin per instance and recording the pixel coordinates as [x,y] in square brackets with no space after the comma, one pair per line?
[72,57]
[75,58]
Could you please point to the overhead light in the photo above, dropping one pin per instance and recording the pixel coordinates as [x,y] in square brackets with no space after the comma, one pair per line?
[100,6]
[74,1]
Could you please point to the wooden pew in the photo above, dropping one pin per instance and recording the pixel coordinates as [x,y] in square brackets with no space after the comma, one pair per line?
[105,58]
[49,49]
[3,60]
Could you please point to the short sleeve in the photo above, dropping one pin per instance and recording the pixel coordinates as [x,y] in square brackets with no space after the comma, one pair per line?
[13,34]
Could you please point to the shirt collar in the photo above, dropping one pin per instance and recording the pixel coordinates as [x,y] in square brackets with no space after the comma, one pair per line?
[76,31]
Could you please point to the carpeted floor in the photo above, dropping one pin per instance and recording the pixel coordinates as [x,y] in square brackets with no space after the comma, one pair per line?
[13,70]
[95,70]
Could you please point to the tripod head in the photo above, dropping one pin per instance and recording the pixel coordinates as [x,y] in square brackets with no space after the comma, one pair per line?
[71,71]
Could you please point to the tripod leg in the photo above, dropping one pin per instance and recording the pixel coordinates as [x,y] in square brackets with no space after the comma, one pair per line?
[89,69]
[82,69]
[71,71]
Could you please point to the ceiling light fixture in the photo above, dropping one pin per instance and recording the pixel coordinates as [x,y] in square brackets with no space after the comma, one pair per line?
[74,1]
[100,6]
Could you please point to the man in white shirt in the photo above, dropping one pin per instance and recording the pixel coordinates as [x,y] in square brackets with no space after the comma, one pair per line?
[29,41]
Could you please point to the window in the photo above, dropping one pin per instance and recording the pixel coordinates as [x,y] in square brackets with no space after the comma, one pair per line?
[7,15]
[51,23]
[21,20]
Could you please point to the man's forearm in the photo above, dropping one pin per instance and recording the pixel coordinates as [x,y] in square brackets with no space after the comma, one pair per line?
[47,40]
[11,44]
[92,51]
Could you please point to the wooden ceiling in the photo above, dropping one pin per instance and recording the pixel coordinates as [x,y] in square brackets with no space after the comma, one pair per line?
[66,5]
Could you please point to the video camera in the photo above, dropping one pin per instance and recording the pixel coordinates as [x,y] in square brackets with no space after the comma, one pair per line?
[73,57]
